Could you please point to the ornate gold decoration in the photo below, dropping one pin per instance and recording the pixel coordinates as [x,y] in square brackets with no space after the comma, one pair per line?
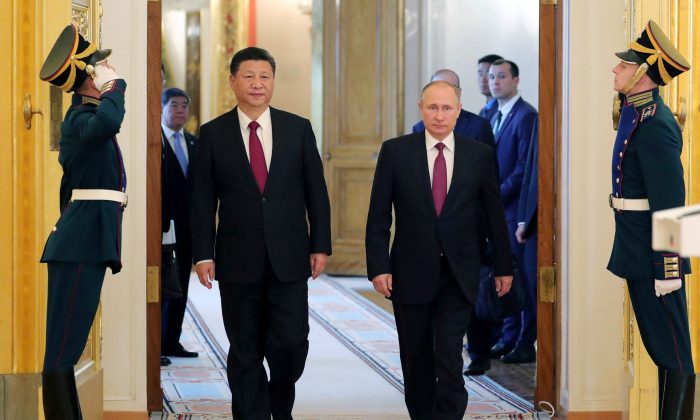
[617,103]
[80,16]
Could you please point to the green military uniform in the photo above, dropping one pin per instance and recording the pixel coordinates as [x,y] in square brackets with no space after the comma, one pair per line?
[87,237]
[647,173]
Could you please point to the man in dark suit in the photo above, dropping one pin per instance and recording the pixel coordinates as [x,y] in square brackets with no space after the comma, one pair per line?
[512,125]
[178,162]
[468,124]
[261,167]
[647,176]
[526,235]
[87,237]
[482,73]
[439,185]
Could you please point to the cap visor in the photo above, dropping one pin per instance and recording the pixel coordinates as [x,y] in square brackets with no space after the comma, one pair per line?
[629,57]
[100,55]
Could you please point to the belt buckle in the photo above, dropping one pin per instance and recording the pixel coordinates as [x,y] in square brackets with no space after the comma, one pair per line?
[610,202]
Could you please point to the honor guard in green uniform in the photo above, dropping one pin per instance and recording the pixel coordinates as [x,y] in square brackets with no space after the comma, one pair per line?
[87,237]
[647,176]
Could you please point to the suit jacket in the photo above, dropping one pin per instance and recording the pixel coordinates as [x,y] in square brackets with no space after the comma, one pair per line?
[252,225]
[402,181]
[646,164]
[489,110]
[527,208]
[176,193]
[90,231]
[512,144]
[471,126]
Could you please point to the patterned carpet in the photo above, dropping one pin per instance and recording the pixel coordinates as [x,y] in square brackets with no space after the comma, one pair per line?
[197,389]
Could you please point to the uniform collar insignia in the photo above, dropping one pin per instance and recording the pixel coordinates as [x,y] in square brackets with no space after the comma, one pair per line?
[90,100]
[648,112]
[643,98]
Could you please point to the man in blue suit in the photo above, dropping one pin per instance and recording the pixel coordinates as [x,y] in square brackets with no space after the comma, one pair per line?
[468,124]
[482,73]
[512,125]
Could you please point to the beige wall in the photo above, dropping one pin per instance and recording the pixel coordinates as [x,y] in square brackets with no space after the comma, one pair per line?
[285,31]
[124,295]
[592,374]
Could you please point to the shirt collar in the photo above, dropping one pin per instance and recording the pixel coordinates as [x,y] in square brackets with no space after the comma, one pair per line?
[448,141]
[169,132]
[505,109]
[264,119]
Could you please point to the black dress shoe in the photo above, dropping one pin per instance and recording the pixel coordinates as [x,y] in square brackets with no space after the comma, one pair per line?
[164,361]
[181,353]
[500,349]
[178,351]
[477,367]
[520,355]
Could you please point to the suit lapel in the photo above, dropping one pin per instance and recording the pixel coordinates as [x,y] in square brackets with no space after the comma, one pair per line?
[278,146]
[509,118]
[419,161]
[458,172]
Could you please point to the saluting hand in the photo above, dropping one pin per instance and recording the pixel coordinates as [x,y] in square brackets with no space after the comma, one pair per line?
[382,284]
[503,284]
[205,273]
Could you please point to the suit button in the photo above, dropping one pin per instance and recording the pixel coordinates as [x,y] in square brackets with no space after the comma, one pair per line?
[620,154]
[617,181]
[625,141]
[54,229]
[264,200]
[618,167]
[442,254]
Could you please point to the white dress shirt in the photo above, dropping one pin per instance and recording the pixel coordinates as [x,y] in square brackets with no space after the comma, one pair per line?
[170,135]
[448,152]
[505,109]
[264,133]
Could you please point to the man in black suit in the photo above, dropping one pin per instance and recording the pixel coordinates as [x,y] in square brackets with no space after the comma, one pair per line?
[263,248]
[179,158]
[439,185]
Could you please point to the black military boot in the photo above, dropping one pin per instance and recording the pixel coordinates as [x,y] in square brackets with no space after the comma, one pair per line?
[676,395]
[60,396]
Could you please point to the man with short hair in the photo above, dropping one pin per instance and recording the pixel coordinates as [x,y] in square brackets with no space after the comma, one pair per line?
[261,168]
[513,126]
[468,124]
[647,176]
[482,73]
[87,236]
[179,156]
[440,186]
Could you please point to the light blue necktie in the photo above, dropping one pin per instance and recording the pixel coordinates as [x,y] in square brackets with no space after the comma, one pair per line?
[180,153]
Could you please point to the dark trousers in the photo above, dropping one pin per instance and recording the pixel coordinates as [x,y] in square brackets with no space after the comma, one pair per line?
[173,310]
[268,319]
[482,334]
[73,296]
[663,325]
[528,275]
[430,343]
[513,325]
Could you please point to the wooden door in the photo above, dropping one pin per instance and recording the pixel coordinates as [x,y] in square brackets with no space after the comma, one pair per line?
[362,106]
[29,186]
[548,321]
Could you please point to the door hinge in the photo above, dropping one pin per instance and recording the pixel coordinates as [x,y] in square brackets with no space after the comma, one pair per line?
[546,286]
[152,284]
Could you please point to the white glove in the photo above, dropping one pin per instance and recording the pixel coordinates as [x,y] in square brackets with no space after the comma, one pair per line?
[664,287]
[104,73]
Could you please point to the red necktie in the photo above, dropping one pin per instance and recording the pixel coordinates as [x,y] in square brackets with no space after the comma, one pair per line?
[257,156]
[439,179]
